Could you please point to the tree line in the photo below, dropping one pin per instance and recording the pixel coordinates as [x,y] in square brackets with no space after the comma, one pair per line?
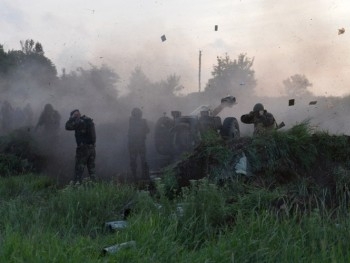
[27,74]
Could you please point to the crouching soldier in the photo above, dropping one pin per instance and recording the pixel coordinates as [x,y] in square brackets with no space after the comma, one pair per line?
[263,121]
[85,137]
[138,130]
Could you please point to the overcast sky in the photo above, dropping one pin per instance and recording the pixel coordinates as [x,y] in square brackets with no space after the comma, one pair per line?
[285,37]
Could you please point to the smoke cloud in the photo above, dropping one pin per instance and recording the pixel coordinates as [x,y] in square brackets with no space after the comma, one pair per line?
[284,39]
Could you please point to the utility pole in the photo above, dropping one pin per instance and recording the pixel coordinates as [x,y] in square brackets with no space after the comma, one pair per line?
[199,71]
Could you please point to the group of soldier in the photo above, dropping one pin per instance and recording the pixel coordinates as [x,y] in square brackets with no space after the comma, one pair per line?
[85,136]
[47,130]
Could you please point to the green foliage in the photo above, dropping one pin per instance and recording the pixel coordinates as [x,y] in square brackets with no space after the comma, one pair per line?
[30,65]
[332,147]
[81,205]
[169,186]
[230,75]
[213,147]
[241,220]
[297,86]
[25,185]
[18,153]
[207,223]
[93,81]
[201,211]
[292,149]
[10,164]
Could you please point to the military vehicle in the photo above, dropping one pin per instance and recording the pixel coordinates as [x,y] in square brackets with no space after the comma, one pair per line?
[179,134]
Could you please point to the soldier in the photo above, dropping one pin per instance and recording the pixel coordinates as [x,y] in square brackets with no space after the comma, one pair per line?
[85,137]
[138,130]
[50,120]
[263,121]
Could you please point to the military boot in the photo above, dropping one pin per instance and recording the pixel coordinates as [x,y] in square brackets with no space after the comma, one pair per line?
[93,178]
[78,178]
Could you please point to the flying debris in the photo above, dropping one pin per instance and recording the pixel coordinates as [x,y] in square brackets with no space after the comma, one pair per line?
[291,102]
[163,38]
[341,31]
[216,27]
[313,102]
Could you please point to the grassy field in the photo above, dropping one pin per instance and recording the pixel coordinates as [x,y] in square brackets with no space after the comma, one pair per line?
[234,223]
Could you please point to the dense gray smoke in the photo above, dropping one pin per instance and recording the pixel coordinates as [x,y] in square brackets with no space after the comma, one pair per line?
[94,91]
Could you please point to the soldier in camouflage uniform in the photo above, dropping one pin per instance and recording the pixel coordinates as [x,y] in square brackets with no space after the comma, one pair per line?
[85,137]
[138,130]
[263,121]
[49,120]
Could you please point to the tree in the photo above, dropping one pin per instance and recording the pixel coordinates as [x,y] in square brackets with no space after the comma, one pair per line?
[29,46]
[30,63]
[139,83]
[297,86]
[26,68]
[169,87]
[5,63]
[91,83]
[104,79]
[232,77]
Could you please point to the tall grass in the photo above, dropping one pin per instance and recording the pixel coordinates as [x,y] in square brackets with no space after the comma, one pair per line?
[205,223]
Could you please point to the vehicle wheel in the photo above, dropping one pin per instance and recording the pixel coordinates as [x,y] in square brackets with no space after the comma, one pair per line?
[230,128]
[163,136]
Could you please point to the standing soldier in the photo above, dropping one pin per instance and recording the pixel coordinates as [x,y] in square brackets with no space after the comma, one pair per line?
[138,130]
[263,121]
[50,120]
[85,137]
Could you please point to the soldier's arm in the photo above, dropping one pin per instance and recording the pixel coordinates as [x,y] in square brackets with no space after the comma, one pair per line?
[268,119]
[72,124]
[248,118]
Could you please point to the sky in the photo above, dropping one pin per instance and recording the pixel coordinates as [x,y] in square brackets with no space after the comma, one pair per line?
[284,37]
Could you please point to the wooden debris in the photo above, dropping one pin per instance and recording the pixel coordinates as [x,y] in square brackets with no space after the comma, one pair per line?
[341,31]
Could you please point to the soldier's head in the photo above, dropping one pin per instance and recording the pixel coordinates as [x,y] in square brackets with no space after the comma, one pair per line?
[258,107]
[75,113]
[136,113]
[48,107]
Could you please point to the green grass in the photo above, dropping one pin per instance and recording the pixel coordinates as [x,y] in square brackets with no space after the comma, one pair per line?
[234,223]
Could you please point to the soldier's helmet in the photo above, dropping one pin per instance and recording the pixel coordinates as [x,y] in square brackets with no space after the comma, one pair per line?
[136,113]
[258,107]
[48,107]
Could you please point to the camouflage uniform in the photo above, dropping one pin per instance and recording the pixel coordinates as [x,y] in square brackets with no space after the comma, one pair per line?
[138,130]
[263,121]
[85,137]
